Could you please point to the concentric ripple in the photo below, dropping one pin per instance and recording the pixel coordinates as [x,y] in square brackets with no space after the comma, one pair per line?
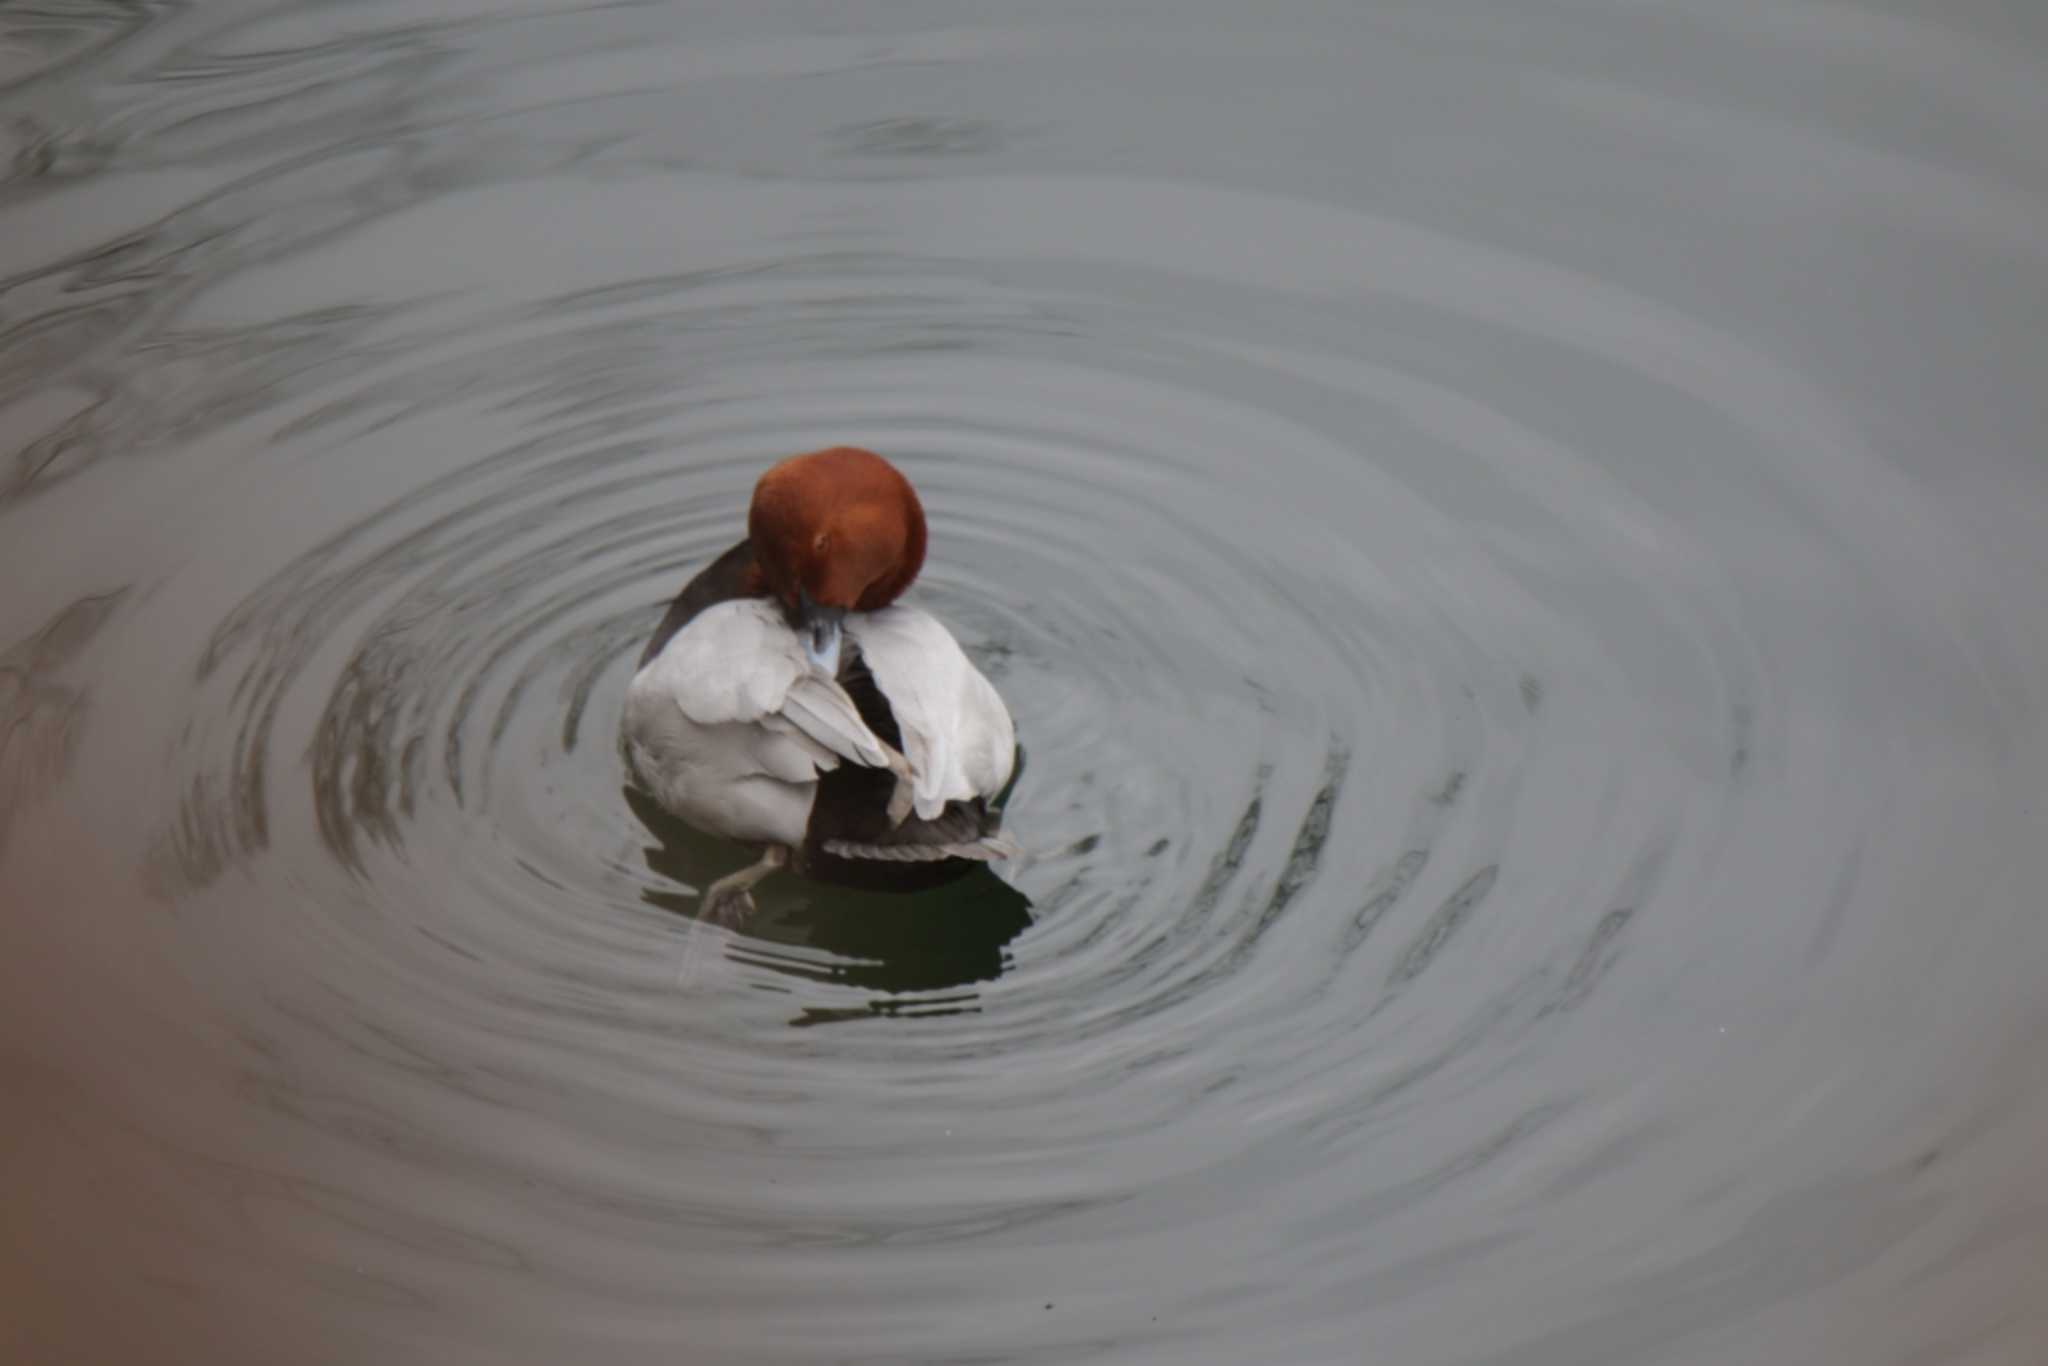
[1528,782]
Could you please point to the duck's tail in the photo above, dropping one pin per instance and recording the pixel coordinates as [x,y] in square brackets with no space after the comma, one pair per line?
[985,849]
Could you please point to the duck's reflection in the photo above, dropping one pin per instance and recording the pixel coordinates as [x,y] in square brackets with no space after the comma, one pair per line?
[920,949]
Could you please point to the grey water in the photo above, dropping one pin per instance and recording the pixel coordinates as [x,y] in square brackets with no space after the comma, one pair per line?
[1515,533]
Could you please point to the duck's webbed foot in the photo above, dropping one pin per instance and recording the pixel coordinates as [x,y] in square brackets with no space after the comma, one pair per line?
[730,900]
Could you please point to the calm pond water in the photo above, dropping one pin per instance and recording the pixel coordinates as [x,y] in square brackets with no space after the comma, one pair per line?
[1516,534]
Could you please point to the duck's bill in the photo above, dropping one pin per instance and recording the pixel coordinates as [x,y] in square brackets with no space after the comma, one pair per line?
[819,627]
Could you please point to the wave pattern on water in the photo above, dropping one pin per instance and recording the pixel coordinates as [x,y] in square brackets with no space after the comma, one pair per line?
[1529,767]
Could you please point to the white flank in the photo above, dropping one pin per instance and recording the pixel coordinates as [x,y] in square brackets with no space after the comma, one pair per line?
[730,727]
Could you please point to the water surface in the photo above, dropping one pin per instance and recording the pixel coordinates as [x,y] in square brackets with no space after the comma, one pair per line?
[1516,535]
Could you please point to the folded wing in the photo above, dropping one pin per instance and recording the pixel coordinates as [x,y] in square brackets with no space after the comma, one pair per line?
[738,662]
[956,732]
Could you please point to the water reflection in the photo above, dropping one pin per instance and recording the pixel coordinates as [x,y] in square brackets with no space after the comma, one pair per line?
[918,950]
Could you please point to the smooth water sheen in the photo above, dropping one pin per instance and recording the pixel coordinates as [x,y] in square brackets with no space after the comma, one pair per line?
[1516,535]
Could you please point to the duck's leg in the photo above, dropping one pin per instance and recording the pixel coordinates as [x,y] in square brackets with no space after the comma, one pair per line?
[730,899]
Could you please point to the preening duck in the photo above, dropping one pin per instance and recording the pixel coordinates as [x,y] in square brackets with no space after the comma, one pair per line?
[788,701]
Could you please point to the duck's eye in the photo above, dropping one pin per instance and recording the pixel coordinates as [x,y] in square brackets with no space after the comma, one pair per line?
[821,543]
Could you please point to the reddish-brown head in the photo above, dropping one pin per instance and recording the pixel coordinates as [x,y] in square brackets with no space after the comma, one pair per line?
[841,528]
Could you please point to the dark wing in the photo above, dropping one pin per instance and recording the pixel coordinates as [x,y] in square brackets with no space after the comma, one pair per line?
[731,575]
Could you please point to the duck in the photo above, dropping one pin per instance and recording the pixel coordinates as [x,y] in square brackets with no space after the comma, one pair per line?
[787,701]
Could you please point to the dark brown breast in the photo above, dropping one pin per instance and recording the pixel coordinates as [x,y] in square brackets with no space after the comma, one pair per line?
[732,575]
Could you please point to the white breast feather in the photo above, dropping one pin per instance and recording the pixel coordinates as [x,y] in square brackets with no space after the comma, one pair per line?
[957,733]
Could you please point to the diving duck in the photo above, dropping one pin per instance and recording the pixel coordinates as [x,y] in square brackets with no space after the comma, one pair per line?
[787,700]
